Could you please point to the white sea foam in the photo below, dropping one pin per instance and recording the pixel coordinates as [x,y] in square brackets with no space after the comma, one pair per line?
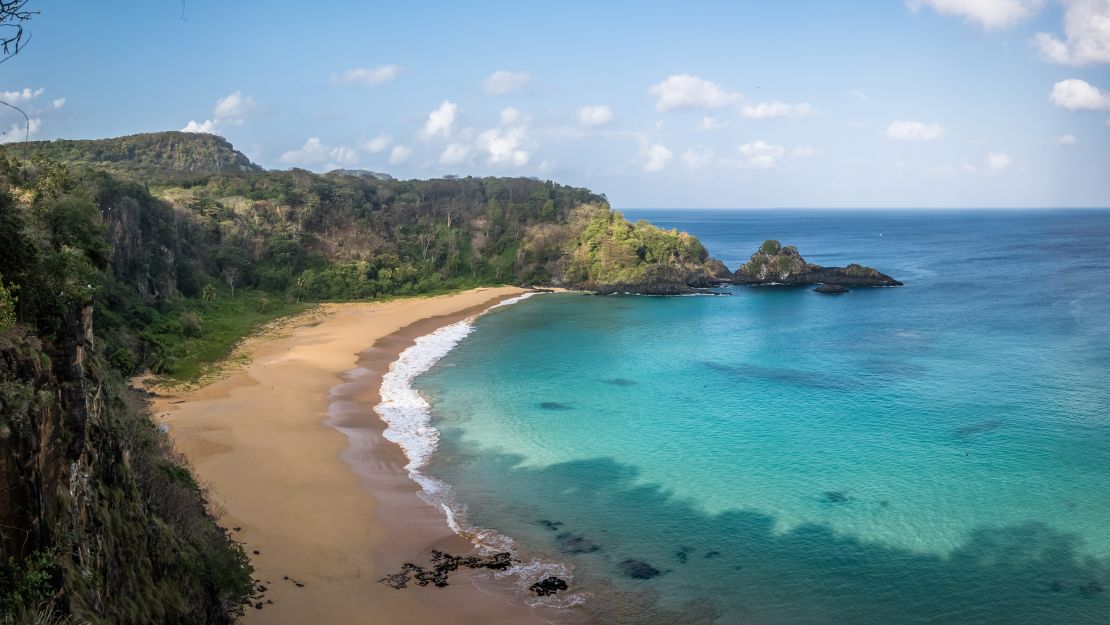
[408,422]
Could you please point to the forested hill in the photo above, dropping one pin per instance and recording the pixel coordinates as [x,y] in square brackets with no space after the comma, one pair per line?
[143,154]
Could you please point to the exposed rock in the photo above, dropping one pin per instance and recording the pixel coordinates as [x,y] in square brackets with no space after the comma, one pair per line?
[830,289]
[775,264]
[548,586]
[443,564]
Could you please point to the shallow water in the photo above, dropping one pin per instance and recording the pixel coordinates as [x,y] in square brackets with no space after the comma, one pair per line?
[937,453]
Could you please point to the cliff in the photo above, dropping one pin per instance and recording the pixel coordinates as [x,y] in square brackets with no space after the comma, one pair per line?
[775,264]
[98,519]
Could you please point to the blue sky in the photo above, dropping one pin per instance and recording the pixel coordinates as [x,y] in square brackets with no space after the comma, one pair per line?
[926,103]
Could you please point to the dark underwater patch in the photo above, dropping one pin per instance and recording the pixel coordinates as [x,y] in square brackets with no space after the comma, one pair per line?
[620,382]
[981,427]
[796,377]
[554,405]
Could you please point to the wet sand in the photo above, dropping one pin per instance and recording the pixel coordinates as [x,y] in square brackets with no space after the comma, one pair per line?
[293,454]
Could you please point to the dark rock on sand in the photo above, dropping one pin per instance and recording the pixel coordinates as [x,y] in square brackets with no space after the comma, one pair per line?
[443,564]
[638,569]
[548,586]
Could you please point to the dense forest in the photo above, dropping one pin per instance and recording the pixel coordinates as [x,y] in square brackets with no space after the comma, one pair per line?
[158,252]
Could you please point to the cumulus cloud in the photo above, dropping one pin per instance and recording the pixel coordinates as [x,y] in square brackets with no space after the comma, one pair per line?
[913,131]
[21,96]
[440,121]
[997,161]
[595,115]
[1068,139]
[58,103]
[399,154]
[1086,34]
[19,132]
[762,154]
[316,152]
[709,122]
[454,154]
[230,110]
[378,143]
[656,157]
[511,116]
[698,159]
[504,146]
[684,91]
[207,126]
[369,76]
[803,151]
[768,110]
[989,14]
[1079,95]
[504,81]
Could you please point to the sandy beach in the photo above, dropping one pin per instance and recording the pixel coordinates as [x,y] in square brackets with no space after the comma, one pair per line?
[292,453]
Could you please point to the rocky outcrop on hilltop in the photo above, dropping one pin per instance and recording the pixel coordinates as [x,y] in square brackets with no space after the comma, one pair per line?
[776,264]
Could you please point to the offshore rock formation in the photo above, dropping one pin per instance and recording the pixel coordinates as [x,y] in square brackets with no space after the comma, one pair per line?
[775,264]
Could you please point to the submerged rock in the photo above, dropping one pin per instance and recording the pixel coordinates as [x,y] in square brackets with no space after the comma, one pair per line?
[551,525]
[830,289]
[548,586]
[638,569]
[554,405]
[775,264]
[620,382]
[836,496]
[573,543]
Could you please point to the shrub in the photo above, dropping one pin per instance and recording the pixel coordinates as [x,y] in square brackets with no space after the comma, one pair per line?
[770,246]
[7,307]
[190,324]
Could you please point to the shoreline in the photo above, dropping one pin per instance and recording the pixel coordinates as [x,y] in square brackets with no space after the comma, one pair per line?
[293,453]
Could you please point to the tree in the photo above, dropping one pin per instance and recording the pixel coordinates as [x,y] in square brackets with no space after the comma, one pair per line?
[7,307]
[208,293]
[13,13]
[231,276]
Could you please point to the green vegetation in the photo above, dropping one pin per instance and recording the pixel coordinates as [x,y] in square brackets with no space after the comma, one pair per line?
[7,307]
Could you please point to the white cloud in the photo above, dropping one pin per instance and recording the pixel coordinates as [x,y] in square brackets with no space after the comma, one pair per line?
[987,13]
[371,77]
[768,110]
[440,120]
[316,152]
[504,146]
[510,116]
[1079,95]
[207,126]
[378,143]
[698,159]
[913,131]
[1087,34]
[21,96]
[399,154]
[803,151]
[762,154]
[595,115]
[997,161]
[58,103]
[683,91]
[454,154]
[709,122]
[18,132]
[231,109]
[1068,139]
[503,81]
[656,157]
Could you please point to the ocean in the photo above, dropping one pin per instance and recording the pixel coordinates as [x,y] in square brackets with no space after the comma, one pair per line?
[935,453]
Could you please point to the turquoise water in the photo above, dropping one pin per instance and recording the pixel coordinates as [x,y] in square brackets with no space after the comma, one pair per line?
[937,453]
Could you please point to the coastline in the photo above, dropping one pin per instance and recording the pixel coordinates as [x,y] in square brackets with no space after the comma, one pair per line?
[293,454]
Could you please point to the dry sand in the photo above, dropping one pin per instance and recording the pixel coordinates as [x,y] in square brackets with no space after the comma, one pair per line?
[332,509]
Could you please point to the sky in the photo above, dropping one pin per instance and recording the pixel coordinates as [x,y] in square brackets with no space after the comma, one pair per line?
[870,104]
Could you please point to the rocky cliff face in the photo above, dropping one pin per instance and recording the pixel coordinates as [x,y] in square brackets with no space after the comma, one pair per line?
[97,518]
[775,264]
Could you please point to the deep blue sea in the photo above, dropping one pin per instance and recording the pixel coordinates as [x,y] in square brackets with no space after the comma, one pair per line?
[936,453]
